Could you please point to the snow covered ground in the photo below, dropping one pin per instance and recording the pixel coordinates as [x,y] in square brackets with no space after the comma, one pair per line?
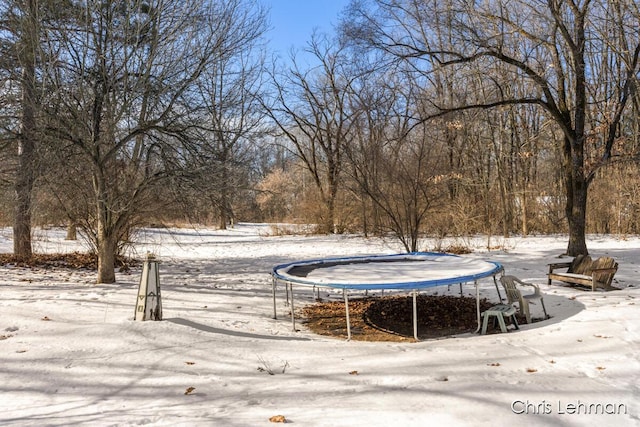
[71,353]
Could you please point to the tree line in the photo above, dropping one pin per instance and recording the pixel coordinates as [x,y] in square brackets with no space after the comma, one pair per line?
[413,118]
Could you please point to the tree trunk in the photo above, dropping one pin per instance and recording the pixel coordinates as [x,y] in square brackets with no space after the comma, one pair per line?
[577,195]
[525,213]
[72,231]
[24,184]
[330,222]
[106,258]
[576,204]
[106,238]
[25,174]
[576,215]
[224,203]
[222,218]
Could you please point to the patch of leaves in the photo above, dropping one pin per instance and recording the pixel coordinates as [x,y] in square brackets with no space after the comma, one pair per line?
[438,316]
[72,260]
[458,249]
[328,318]
[391,318]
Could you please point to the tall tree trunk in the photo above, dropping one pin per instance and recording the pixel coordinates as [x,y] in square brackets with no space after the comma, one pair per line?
[23,187]
[25,174]
[577,195]
[576,203]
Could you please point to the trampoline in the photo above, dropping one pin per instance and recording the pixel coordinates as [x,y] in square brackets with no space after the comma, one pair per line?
[409,272]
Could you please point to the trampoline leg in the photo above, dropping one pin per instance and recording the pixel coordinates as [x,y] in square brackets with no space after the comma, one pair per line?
[293,318]
[346,310]
[274,298]
[477,306]
[415,315]
[286,292]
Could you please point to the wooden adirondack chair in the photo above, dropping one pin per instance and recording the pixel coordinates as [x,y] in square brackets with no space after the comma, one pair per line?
[597,273]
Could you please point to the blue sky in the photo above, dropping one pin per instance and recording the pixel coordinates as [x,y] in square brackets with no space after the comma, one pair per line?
[293,21]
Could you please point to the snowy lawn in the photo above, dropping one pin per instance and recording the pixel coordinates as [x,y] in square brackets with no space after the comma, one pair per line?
[72,355]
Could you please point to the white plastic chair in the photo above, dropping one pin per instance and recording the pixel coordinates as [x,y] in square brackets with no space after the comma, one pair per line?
[514,295]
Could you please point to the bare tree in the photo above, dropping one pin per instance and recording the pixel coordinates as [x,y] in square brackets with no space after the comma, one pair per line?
[545,44]
[20,24]
[226,104]
[123,78]
[311,110]
[396,162]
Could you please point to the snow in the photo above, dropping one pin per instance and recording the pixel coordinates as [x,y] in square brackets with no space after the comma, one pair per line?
[71,353]
[399,271]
